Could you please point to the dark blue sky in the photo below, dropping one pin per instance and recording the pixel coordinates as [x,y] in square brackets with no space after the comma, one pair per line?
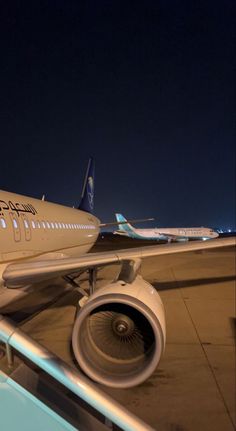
[146,87]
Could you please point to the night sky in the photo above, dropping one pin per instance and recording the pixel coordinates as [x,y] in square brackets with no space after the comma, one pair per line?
[145,87]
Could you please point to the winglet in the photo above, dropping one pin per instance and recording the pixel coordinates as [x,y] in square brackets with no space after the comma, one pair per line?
[87,197]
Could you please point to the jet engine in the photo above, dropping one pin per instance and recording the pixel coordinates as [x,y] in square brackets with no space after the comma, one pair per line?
[119,334]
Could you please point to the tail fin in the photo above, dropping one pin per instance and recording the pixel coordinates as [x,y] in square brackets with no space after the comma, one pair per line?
[87,197]
[124,227]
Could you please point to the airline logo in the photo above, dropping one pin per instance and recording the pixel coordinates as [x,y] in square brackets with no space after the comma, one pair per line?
[90,191]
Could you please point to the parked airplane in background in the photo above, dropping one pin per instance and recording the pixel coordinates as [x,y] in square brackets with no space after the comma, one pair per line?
[164,234]
[119,333]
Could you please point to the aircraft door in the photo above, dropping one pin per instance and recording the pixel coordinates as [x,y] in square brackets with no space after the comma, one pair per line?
[15,226]
[26,225]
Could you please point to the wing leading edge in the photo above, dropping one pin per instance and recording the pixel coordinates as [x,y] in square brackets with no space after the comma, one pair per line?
[19,274]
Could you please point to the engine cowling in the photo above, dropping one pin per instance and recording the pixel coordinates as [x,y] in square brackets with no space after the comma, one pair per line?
[119,334]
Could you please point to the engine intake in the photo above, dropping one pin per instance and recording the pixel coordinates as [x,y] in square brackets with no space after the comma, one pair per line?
[119,335]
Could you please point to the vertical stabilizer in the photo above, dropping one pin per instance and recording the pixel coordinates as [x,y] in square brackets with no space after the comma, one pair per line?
[124,227]
[87,197]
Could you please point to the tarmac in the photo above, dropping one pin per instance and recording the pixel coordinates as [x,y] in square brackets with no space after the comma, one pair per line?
[194,386]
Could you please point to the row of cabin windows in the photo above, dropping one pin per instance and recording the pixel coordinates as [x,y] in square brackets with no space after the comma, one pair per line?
[193,232]
[46,225]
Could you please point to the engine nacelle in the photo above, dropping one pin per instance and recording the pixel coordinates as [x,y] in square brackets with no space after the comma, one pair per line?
[119,334]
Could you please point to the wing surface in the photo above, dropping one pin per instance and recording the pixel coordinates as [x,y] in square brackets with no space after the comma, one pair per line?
[32,271]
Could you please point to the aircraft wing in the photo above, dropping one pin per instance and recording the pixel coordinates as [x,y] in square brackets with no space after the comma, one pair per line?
[32,271]
[171,235]
[115,223]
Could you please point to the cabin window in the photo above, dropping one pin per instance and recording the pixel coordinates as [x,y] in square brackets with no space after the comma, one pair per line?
[33,224]
[48,225]
[52,224]
[43,224]
[26,224]
[15,224]
[3,223]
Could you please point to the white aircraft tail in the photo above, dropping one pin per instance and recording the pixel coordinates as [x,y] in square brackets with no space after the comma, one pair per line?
[124,226]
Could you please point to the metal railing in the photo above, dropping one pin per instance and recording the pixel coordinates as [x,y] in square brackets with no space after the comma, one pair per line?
[79,384]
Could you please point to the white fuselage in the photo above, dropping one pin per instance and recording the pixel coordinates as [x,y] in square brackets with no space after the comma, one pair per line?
[169,234]
[30,227]
[188,233]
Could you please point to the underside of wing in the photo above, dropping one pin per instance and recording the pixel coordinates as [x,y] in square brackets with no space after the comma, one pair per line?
[32,271]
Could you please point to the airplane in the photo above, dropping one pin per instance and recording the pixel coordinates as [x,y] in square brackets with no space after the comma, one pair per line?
[164,234]
[119,330]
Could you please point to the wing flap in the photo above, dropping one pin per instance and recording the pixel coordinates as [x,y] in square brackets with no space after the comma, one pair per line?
[19,274]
